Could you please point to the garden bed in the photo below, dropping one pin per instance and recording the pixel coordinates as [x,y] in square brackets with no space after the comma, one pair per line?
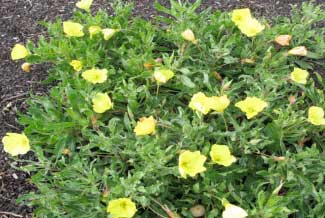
[18,24]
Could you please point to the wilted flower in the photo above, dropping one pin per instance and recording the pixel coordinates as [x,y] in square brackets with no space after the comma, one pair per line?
[189,36]
[191,163]
[19,52]
[298,51]
[73,29]
[201,103]
[109,33]
[299,75]
[252,106]
[145,126]
[26,67]
[15,144]
[232,211]
[219,104]
[316,116]
[240,16]
[93,30]
[220,154]
[121,208]
[283,40]
[76,64]
[101,103]
[163,75]
[84,4]
[95,75]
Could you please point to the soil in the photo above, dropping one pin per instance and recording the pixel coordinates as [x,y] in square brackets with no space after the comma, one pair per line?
[19,23]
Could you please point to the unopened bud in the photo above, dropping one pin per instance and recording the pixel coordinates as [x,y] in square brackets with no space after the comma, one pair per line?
[25,67]
[247,61]
[66,151]
[292,99]
[279,158]
[198,211]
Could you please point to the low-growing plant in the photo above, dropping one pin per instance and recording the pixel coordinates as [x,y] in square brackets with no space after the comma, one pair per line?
[191,114]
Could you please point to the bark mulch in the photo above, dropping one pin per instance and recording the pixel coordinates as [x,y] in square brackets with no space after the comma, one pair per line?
[19,23]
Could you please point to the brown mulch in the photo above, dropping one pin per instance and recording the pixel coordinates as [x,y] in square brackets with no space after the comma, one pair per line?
[19,23]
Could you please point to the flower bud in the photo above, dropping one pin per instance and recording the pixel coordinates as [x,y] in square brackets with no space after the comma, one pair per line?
[292,99]
[248,61]
[26,67]
[66,151]
[198,210]
[279,158]
[189,36]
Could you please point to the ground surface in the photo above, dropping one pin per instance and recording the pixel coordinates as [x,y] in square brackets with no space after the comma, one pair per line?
[19,23]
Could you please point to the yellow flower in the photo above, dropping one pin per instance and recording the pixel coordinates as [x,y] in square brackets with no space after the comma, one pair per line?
[15,144]
[251,27]
[200,102]
[251,106]
[101,103]
[191,163]
[121,208]
[19,52]
[298,51]
[240,16]
[232,211]
[109,33]
[76,64]
[299,75]
[316,116]
[145,126]
[26,67]
[73,29]
[283,40]
[219,104]
[84,4]
[189,36]
[93,30]
[220,154]
[95,75]
[163,75]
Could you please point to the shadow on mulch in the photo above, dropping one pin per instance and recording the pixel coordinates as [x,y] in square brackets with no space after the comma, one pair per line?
[19,23]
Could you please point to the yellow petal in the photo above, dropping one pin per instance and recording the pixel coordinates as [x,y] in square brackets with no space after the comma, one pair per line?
[220,154]
[252,106]
[122,208]
[240,16]
[219,104]
[84,4]
[93,30]
[76,64]
[145,126]
[163,75]
[19,52]
[109,33]
[15,144]
[95,75]
[251,27]
[101,102]
[73,29]
[191,163]
[316,116]
[299,75]
[200,102]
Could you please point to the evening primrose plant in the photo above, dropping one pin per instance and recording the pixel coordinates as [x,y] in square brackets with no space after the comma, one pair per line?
[210,114]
